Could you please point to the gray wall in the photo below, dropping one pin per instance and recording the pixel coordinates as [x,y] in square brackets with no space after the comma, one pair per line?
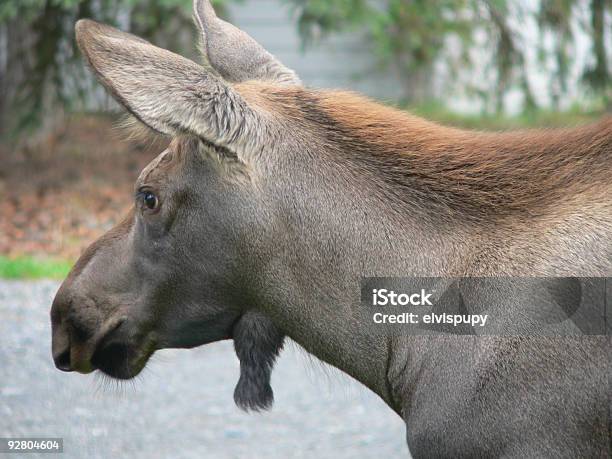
[342,61]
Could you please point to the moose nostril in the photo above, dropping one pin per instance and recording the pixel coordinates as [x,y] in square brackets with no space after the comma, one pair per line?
[62,360]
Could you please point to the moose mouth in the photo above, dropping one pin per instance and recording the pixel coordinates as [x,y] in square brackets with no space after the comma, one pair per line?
[115,360]
[121,358]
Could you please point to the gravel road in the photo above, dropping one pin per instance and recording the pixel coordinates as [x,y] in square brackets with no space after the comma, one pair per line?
[181,406]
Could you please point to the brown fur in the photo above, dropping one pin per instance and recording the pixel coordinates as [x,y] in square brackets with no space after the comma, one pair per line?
[484,175]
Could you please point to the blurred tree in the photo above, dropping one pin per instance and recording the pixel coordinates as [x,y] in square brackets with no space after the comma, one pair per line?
[508,59]
[555,17]
[599,76]
[39,66]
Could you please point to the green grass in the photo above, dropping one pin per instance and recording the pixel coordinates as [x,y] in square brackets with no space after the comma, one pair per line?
[32,268]
[496,122]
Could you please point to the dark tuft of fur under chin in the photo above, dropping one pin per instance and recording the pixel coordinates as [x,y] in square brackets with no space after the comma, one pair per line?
[257,342]
[253,397]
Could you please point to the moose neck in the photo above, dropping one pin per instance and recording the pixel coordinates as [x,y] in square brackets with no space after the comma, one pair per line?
[312,286]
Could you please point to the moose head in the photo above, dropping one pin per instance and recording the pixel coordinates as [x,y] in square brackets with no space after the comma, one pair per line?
[181,270]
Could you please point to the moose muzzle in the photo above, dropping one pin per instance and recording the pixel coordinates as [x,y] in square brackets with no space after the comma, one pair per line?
[77,339]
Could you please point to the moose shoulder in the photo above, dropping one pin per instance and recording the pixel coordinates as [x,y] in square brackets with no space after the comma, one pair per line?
[273,201]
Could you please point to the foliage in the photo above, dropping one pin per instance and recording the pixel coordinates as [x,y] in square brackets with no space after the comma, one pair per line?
[31,268]
[410,36]
[42,72]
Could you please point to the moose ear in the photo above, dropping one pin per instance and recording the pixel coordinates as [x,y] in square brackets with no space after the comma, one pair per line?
[257,342]
[167,92]
[234,54]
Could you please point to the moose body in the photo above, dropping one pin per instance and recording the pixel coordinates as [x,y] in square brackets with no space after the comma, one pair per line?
[272,201]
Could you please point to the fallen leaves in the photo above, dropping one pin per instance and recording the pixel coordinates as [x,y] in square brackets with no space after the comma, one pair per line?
[58,198]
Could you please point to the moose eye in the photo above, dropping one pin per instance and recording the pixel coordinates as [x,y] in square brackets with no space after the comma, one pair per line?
[149,200]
